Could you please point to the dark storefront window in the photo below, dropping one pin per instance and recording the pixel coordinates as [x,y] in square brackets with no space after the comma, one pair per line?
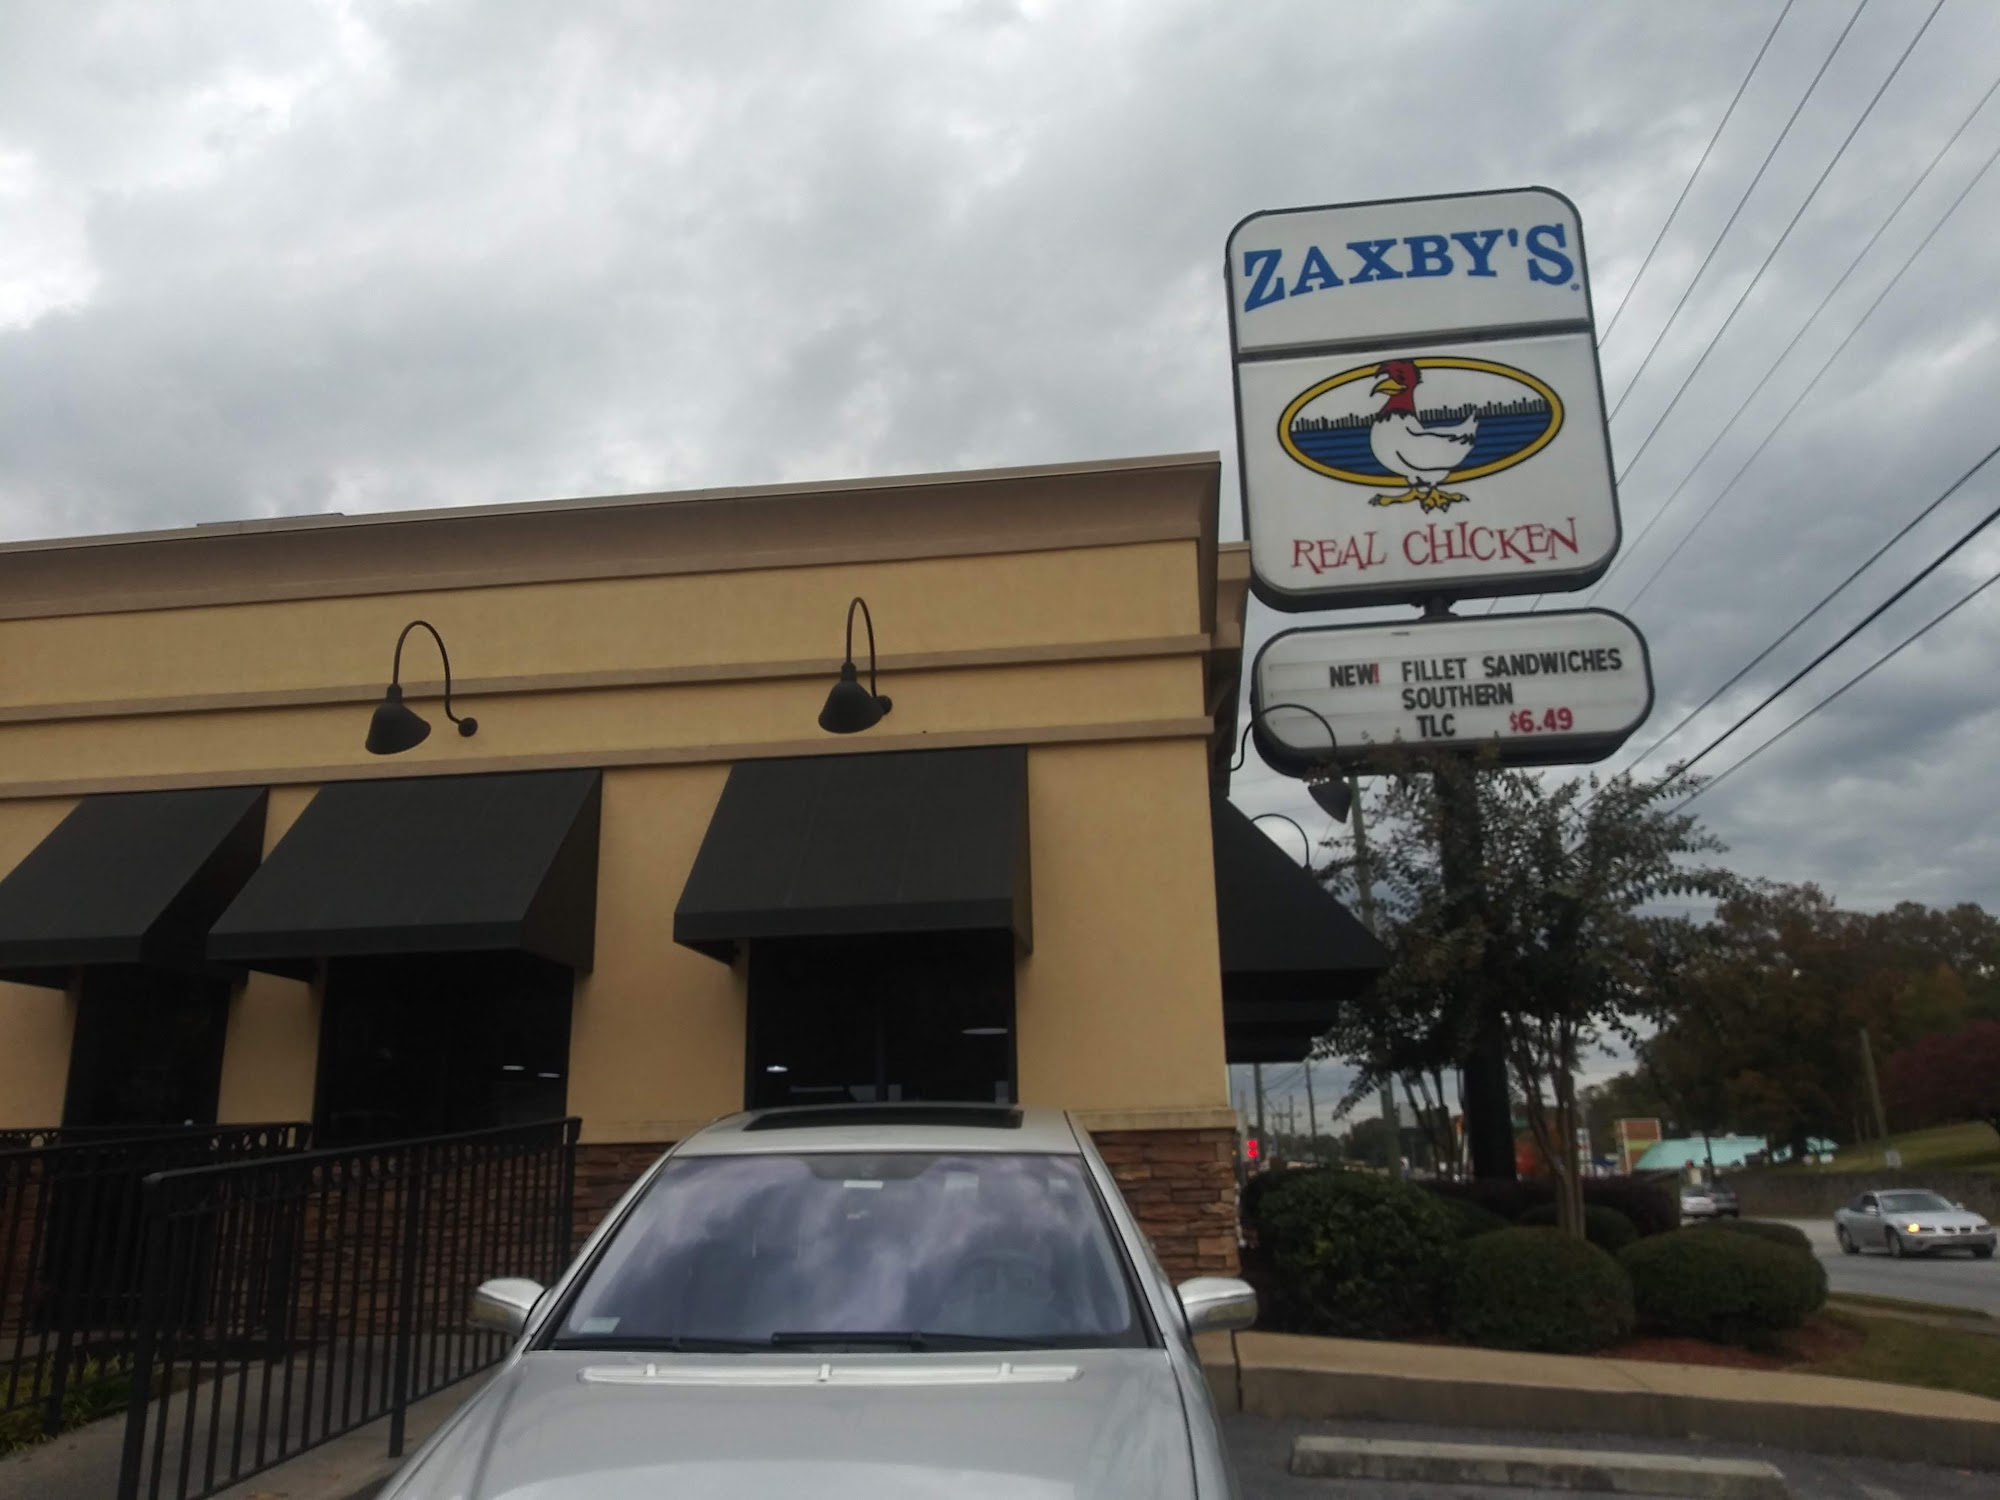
[426,1044]
[148,1048]
[867,1019]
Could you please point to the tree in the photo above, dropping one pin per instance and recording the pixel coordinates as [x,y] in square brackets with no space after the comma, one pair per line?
[1517,901]
[1371,1142]
[1766,1035]
[1946,1078]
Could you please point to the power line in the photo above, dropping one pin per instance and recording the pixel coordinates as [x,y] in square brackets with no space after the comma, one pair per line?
[1827,598]
[1827,364]
[1873,615]
[1628,550]
[1652,250]
[1854,681]
[1702,269]
[1744,296]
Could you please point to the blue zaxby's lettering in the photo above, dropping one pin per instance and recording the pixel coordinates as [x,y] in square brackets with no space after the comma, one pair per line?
[1539,254]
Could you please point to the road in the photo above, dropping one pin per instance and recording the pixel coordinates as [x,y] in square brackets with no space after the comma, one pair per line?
[1955,1280]
[1261,1451]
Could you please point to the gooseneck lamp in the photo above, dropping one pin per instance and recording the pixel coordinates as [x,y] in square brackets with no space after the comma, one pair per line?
[850,707]
[1324,782]
[395,727]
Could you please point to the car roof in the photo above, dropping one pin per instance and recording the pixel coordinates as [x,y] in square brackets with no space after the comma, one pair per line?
[955,1128]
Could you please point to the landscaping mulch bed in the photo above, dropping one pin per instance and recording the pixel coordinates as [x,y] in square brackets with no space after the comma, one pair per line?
[1819,1338]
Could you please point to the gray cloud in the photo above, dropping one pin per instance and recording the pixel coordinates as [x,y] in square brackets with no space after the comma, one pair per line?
[268,260]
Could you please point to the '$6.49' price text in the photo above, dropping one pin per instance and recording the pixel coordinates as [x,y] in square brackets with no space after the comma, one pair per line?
[1553,720]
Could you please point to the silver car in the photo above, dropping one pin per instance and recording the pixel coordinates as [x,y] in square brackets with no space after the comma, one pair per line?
[1907,1221]
[848,1302]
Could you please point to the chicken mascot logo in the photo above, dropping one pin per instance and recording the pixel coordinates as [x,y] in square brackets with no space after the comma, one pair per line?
[1473,418]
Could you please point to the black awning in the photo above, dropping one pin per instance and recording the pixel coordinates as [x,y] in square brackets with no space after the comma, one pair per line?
[1291,953]
[843,845]
[437,864]
[129,878]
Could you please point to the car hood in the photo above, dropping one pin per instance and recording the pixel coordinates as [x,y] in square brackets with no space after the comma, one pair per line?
[1048,1425]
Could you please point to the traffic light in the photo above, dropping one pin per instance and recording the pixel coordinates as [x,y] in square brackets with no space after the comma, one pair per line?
[1250,1149]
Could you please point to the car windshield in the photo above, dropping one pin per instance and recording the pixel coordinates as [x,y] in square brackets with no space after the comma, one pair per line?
[1915,1203]
[902,1250]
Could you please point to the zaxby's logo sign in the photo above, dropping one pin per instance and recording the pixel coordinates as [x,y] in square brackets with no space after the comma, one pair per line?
[1419,409]
[1416,257]
[1422,424]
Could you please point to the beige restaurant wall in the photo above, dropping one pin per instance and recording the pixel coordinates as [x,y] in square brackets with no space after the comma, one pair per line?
[35,1023]
[699,622]
[271,1056]
[657,1030]
[1119,1008]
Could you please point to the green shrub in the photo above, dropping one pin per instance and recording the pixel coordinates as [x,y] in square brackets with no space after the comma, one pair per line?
[1605,1228]
[1653,1206]
[1730,1288]
[1470,1220]
[1793,1239]
[1537,1288]
[1353,1255]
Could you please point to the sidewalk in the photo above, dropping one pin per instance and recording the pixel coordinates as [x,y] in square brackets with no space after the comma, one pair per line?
[83,1465]
[1282,1375]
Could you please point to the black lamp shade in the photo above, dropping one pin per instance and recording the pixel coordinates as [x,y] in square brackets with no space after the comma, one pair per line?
[395,728]
[1334,796]
[850,707]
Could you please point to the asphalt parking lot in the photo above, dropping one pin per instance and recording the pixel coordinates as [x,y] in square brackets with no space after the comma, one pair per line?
[1261,1449]
[1957,1280]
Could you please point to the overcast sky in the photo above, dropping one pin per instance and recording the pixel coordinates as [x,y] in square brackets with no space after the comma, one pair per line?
[269,258]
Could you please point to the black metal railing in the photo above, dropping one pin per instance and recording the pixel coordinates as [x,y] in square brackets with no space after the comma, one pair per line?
[289,1301]
[70,1262]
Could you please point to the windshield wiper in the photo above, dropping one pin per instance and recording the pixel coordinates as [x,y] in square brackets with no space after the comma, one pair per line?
[868,1338]
[612,1344]
[913,1339]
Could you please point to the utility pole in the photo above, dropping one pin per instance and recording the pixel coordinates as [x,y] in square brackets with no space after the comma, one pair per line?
[1875,1099]
[1312,1110]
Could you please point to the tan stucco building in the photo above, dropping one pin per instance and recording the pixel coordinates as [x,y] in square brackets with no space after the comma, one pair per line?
[379,945]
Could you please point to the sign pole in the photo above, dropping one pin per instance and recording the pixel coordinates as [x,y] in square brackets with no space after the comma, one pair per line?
[1489,1115]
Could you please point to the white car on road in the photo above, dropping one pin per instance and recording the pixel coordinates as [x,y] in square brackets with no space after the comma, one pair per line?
[1911,1222]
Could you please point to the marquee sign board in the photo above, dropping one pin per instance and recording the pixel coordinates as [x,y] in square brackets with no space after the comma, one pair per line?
[1419,411]
[1564,687]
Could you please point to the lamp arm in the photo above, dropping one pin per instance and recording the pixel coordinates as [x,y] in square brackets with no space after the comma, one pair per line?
[868,620]
[396,672]
[1295,824]
[1243,744]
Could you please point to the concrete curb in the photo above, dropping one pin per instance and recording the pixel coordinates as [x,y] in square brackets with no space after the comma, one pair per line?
[1281,1377]
[1536,1468]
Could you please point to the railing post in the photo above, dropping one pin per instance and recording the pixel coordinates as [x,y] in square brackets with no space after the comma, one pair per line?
[406,1296]
[566,1209]
[153,1254]
[77,1199]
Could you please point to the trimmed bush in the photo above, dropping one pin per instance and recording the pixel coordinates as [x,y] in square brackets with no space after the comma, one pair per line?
[1539,1289]
[1793,1239]
[1654,1207]
[1469,1218]
[1353,1255]
[1605,1228]
[1728,1288]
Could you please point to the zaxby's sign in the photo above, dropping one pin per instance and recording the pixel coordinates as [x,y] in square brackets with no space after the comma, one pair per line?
[1418,406]
[1554,688]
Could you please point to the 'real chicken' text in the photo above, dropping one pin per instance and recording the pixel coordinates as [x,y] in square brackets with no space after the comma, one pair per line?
[1439,542]
[1539,254]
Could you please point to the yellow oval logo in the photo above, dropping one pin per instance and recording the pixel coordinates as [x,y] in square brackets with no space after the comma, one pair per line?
[1420,422]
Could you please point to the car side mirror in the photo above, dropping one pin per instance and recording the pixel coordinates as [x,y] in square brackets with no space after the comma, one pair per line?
[1217,1304]
[504,1304]
[1872,1211]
